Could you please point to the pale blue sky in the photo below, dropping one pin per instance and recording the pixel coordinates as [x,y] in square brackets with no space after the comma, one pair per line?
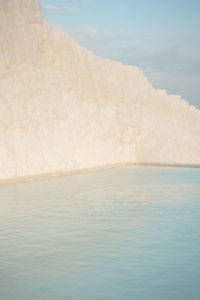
[162,37]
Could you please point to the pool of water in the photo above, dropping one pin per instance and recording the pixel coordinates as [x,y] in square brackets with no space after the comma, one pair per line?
[128,233]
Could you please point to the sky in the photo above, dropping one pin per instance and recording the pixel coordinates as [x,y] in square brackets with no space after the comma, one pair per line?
[162,37]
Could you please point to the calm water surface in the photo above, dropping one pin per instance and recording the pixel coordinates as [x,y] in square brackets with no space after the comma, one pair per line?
[129,233]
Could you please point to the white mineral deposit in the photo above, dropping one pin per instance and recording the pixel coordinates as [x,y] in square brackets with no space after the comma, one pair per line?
[62,108]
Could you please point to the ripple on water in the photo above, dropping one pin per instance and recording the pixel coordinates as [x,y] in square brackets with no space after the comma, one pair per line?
[129,233]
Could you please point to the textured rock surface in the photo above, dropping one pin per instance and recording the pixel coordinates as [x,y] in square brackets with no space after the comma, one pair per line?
[63,108]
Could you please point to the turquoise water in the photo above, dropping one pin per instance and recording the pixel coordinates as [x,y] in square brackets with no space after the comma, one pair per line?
[129,233]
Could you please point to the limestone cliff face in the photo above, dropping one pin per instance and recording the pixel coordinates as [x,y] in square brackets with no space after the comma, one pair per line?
[63,108]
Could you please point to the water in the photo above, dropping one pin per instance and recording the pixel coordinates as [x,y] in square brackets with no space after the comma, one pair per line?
[129,233]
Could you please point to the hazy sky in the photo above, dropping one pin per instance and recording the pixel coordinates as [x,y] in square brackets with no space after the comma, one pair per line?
[162,37]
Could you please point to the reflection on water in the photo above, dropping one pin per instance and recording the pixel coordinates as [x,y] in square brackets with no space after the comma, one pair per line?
[130,233]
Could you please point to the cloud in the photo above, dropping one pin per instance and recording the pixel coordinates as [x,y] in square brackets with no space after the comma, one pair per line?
[55,8]
[71,8]
[86,33]
[52,7]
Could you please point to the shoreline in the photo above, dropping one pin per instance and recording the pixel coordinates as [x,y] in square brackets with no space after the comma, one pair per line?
[22,179]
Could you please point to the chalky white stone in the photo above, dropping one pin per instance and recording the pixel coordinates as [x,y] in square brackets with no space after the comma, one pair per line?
[62,108]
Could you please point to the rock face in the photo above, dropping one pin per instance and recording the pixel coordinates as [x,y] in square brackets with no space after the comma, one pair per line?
[63,108]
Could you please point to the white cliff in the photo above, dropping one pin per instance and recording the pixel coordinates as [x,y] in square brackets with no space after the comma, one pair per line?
[63,108]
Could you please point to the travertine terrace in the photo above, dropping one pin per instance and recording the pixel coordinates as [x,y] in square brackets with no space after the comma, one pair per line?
[62,108]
